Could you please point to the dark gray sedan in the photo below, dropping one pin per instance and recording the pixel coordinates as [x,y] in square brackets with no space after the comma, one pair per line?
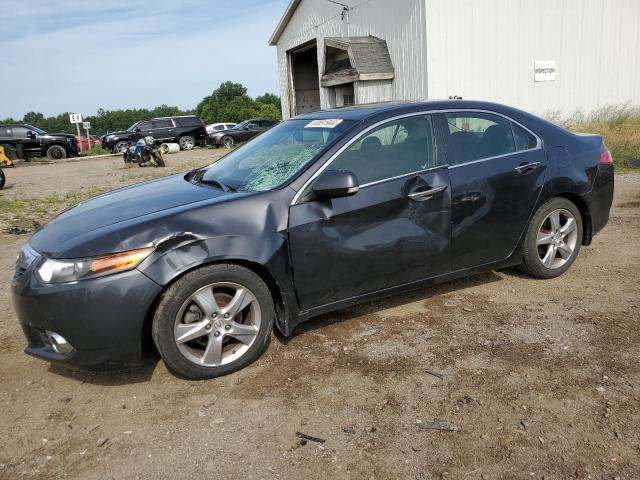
[318,213]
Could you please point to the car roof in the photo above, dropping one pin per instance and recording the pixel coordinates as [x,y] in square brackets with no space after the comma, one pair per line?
[364,111]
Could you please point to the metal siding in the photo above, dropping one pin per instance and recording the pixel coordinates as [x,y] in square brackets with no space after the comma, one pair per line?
[372,91]
[486,51]
[401,23]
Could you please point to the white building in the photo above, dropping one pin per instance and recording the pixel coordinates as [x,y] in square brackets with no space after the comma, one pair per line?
[539,55]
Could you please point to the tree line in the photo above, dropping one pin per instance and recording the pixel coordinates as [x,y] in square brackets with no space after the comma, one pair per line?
[228,103]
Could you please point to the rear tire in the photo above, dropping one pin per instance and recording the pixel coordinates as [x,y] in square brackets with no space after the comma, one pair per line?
[553,239]
[56,152]
[186,142]
[223,338]
[2,179]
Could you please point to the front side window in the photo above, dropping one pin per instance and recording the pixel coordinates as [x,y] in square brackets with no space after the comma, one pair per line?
[144,126]
[391,150]
[273,157]
[476,135]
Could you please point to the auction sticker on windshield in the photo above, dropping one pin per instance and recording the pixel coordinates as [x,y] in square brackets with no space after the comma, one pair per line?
[327,123]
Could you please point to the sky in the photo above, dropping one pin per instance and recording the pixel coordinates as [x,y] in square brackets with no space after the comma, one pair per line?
[81,55]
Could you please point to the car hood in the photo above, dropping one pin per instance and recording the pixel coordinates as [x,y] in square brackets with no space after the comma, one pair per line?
[114,211]
[123,132]
[67,135]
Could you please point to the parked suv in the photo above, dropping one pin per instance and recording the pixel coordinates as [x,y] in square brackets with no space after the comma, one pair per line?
[187,131]
[241,132]
[30,141]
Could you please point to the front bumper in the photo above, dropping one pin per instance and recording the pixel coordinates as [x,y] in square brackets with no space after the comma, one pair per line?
[102,319]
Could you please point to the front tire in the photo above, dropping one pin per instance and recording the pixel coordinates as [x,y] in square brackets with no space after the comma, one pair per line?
[2,179]
[186,142]
[56,152]
[553,239]
[213,321]
[228,142]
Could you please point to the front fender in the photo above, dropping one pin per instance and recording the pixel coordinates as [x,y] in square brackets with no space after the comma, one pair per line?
[268,255]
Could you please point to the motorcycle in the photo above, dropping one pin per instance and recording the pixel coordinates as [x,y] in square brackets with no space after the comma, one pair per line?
[145,152]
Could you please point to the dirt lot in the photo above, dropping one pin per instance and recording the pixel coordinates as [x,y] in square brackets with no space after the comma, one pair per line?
[541,379]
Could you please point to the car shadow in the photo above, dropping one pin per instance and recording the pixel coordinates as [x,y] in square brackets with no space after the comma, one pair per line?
[113,378]
[385,303]
[151,357]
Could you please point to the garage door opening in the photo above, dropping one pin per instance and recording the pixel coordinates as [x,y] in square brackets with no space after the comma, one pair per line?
[305,79]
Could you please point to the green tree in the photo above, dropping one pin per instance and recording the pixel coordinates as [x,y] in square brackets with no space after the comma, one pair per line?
[270,99]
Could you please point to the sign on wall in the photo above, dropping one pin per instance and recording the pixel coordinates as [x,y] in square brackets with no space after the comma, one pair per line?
[544,71]
[75,118]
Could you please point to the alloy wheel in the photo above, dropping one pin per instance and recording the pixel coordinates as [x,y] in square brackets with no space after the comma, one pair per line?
[228,142]
[217,324]
[121,147]
[186,143]
[557,238]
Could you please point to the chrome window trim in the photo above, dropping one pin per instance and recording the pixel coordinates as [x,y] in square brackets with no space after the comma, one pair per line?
[415,114]
[418,172]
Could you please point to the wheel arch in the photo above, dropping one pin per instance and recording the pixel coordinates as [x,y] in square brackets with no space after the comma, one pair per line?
[578,201]
[260,270]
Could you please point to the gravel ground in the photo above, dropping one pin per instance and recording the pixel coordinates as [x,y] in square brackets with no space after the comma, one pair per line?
[536,379]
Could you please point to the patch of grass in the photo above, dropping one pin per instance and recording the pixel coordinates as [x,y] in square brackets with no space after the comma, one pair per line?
[26,214]
[96,151]
[618,124]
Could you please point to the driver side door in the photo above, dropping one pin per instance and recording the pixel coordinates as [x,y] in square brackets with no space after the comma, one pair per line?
[394,230]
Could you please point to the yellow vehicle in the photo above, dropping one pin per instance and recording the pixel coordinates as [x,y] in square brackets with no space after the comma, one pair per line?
[5,161]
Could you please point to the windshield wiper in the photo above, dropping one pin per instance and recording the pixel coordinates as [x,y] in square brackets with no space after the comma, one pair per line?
[198,177]
[215,183]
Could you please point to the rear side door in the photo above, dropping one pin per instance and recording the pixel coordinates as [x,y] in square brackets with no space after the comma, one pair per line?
[393,231]
[497,169]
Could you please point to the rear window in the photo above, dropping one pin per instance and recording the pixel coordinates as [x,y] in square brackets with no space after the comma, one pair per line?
[524,140]
[163,123]
[189,121]
[476,135]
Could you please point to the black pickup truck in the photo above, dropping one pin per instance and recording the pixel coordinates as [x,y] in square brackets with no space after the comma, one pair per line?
[187,131]
[29,141]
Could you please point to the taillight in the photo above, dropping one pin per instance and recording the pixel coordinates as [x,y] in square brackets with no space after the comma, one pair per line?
[606,158]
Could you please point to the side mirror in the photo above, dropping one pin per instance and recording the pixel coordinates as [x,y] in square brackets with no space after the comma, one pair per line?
[31,134]
[137,130]
[245,128]
[336,184]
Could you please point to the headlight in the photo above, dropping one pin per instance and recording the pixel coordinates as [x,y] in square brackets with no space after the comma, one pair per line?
[62,271]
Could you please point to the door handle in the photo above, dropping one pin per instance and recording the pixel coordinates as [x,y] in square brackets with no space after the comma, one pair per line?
[422,195]
[527,167]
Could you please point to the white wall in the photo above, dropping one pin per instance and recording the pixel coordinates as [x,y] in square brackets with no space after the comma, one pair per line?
[400,22]
[485,50]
